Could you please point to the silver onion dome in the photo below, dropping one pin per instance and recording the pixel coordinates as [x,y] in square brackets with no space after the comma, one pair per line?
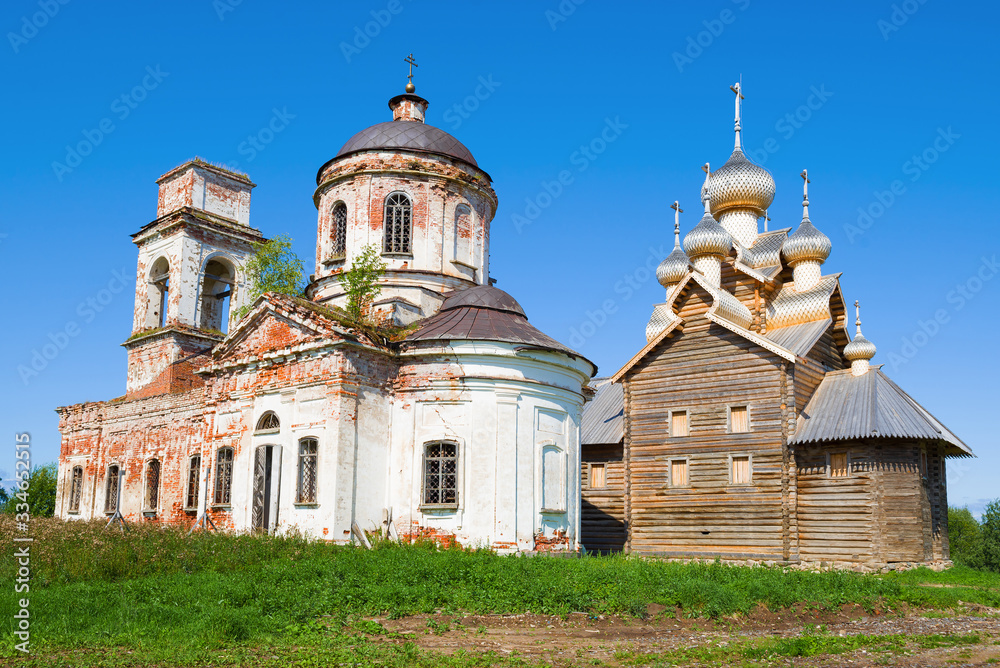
[740,184]
[707,238]
[806,243]
[859,348]
[675,266]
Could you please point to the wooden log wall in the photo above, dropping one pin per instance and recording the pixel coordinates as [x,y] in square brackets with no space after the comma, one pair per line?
[602,520]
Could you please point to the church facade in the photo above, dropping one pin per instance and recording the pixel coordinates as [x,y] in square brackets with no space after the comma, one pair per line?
[465,428]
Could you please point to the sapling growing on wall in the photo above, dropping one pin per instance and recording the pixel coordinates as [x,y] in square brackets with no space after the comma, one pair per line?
[273,267]
[361,282]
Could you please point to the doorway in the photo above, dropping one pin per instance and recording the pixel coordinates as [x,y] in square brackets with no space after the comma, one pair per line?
[266,474]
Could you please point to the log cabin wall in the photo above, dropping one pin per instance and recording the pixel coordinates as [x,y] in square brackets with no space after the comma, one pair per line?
[707,370]
[602,518]
[902,514]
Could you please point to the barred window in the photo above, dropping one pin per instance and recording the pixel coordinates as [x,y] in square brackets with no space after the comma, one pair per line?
[306,493]
[111,489]
[152,496]
[268,423]
[76,489]
[194,476]
[440,473]
[397,223]
[339,230]
[223,476]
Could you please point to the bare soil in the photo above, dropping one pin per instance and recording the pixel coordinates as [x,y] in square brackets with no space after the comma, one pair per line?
[581,639]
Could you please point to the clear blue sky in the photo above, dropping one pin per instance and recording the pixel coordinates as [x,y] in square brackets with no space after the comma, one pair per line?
[883,88]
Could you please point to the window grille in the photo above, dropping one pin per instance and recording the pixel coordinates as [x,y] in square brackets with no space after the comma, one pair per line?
[838,464]
[440,473]
[152,484]
[679,423]
[739,420]
[339,230]
[741,470]
[111,491]
[194,474]
[678,473]
[76,489]
[224,476]
[598,476]
[268,422]
[308,448]
[397,223]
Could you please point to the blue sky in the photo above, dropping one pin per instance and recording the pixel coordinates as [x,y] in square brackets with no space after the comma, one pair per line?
[890,106]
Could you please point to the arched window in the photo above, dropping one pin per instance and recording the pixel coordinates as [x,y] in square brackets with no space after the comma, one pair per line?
[463,233]
[224,476]
[441,474]
[216,294]
[339,231]
[308,451]
[193,480]
[268,424]
[152,495]
[397,223]
[111,489]
[76,489]
[158,293]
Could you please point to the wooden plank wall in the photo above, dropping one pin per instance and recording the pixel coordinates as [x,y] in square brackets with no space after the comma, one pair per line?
[703,370]
[900,511]
[602,521]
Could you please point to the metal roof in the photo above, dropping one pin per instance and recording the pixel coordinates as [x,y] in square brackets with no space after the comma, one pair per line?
[848,407]
[410,135]
[604,415]
[799,339]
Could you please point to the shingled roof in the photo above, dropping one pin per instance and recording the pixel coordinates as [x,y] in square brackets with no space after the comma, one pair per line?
[604,415]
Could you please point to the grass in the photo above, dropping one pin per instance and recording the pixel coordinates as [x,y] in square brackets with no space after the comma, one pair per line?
[181,600]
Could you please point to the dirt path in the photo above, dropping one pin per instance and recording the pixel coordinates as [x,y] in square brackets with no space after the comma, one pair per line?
[579,639]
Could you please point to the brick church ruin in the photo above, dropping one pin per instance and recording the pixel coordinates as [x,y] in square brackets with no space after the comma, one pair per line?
[750,427]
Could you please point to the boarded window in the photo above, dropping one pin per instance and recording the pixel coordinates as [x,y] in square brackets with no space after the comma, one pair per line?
[111,489]
[308,448]
[838,464]
[678,473]
[739,420]
[76,489]
[598,476]
[224,476]
[152,496]
[441,473]
[339,230]
[268,423]
[553,479]
[397,223]
[679,423]
[741,470]
[194,476]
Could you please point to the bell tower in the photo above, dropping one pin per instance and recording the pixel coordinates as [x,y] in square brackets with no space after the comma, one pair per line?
[190,277]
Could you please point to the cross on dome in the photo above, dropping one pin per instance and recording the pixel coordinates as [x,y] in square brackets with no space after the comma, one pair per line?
[409,83]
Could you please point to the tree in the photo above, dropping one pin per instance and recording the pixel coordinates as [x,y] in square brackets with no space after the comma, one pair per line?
[361,282]
[965,538]
[40,496]
[991,536]
[273,267]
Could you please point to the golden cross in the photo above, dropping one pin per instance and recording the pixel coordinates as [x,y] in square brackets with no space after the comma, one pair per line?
[413,64]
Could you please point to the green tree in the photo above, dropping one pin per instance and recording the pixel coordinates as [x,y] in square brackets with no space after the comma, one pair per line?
[965,537]
[361,282]
[40,496]
[273,267]
[991,536]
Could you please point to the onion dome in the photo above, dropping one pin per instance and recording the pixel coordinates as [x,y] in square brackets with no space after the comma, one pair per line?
[807,242]
[860,348]
[708,238]
[675,266]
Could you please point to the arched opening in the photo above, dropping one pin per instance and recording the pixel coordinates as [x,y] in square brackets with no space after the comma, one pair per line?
[463,234]
[268,424]
[216,295]
[397,223]
[158,293]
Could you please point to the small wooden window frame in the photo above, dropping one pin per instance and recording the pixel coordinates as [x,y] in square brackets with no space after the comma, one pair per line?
[670,472]
[729,419]
[847,465]
[749,457]
[670,422]
[590,475]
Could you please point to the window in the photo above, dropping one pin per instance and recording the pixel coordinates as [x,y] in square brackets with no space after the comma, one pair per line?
[194,475]
[678,472]
[739,420]
[223,476]
[216,295]
[598,476]
[397,223]
[741,474]
[268,423]
[308,450]
[158,294]
[463,233]
[838,465]
[111,489]
[76,489]
[339,230]
[441,474]
[152,496]
[923,464]
[678,423]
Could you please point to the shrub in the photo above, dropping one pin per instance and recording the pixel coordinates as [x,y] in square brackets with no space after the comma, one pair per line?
[965,537]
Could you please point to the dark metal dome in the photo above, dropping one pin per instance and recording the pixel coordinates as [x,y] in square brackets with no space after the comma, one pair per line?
[408,135]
